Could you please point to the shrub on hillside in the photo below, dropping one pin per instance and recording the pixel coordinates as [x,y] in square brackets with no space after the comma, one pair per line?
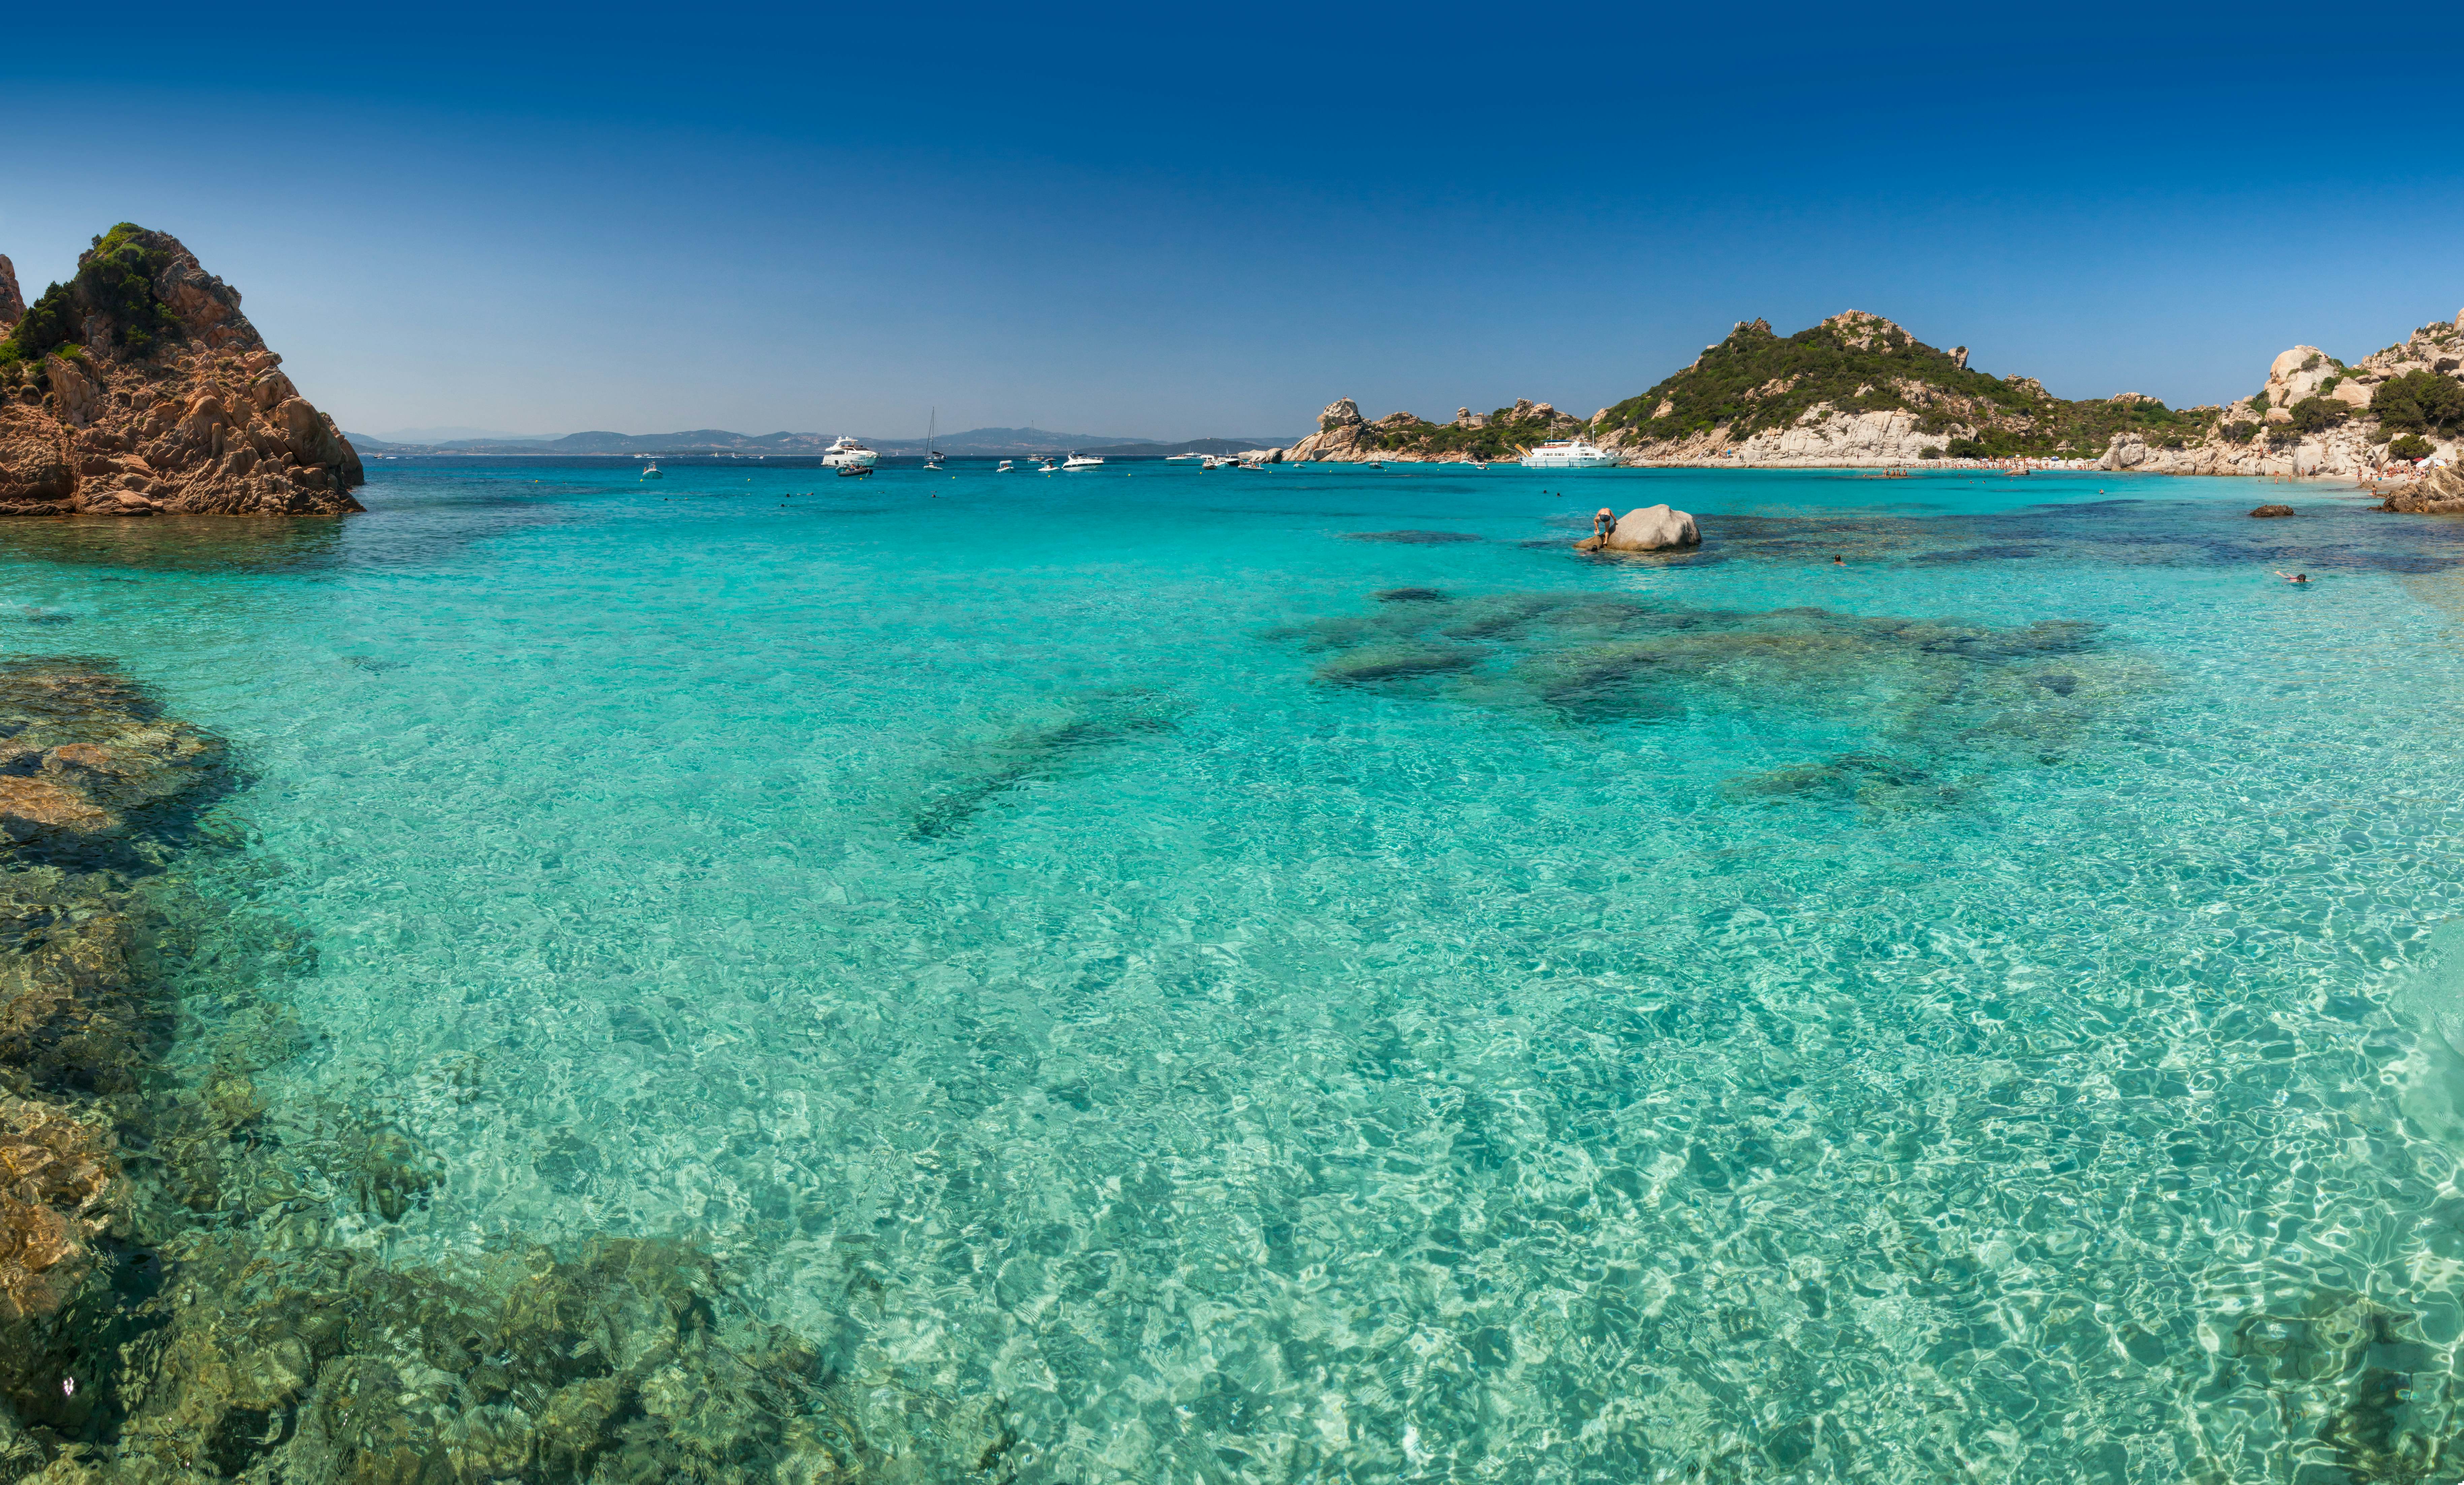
[2420,401]
[2412,446]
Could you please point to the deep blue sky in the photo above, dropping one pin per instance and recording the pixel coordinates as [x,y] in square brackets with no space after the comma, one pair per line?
[1179,221]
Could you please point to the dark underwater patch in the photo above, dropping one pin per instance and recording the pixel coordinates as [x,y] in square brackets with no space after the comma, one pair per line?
[1413,537]
[1409,596]
[1039,750]
[1999,552]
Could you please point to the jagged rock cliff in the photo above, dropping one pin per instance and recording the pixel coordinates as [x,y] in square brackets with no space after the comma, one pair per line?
[139,388]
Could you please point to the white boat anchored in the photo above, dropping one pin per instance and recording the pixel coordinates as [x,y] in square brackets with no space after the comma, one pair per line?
[845,451]
[1184,458]
[1569,454]
[1003,468]
[1046,463]
[1077,461]
[932,456]
[650,471]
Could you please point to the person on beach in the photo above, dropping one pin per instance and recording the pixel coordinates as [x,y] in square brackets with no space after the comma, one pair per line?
[2292,577]
[1604,523]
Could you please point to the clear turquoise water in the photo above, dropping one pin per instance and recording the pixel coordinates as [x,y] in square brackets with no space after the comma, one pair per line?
[1955,1014]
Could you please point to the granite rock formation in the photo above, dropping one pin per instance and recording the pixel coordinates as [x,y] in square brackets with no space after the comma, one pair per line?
[1345,438]
[1652,528]
[1860,391]
[139,388]
[2441,493]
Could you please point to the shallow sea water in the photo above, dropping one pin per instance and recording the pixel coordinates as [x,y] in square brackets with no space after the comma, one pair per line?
[1974,1012]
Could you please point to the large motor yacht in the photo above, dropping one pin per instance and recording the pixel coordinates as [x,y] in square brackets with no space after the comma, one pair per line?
[1567,453]
[1082,461]
[846,450]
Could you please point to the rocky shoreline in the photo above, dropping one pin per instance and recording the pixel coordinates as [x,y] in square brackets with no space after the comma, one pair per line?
[1859,393]
[187,1292]
[138,388]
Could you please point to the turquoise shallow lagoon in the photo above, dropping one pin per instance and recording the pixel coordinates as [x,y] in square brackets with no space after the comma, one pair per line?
[1298,976]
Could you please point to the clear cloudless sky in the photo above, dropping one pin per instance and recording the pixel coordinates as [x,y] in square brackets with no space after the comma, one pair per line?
[1174,221]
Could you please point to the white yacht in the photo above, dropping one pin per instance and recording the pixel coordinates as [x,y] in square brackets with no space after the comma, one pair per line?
[1182,458]
[846,450]
[650,471]
[1211,461]
[1567,453]
[1077,461]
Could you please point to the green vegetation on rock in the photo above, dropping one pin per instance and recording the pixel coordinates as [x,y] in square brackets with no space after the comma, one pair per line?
[2420,402]
[2411,446]
[1505,437]
[1758,380]
[116,280]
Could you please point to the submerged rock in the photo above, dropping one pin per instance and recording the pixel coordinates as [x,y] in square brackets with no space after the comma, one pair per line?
[1413,537]
[2271,512]
[1652,528]
[1410,595]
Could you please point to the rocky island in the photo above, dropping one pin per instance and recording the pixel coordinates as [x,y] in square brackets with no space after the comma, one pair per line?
[1860,391]
[137,388]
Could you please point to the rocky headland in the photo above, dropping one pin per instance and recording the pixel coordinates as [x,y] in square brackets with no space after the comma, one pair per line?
[1857,391]
[137,388]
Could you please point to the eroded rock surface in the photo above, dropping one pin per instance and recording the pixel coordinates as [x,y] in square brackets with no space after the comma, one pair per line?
[139,388]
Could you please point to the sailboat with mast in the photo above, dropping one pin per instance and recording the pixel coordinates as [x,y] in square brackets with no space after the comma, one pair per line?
[932,456]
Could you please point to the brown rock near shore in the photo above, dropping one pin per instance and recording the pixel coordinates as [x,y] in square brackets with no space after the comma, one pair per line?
[2439,493]
[137,389]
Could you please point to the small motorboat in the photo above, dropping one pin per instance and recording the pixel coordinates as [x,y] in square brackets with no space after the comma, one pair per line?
[1005,467]
[1046,463]
[650,471]
[1212,462]
[855,471]
[933,461]
[1077,461]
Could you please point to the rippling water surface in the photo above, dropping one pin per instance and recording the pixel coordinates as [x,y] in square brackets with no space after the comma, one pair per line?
[1266,991]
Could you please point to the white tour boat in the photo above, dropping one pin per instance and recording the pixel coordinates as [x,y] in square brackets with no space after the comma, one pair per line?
[845,451]
[1077,461]
[1567,453]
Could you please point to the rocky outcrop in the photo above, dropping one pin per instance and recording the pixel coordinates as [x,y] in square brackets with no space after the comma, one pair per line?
[1652,528]
[1345,438]
[2273,512]
[2439,493]
[139,388]
[12,301]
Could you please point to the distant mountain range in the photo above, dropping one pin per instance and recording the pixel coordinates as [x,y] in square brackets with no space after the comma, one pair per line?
[973,443]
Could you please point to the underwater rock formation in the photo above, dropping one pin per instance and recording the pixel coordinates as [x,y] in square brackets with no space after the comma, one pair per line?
[181,1298]
[139,388]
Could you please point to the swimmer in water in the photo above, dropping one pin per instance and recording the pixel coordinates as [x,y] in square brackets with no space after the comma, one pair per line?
[1838,562]
[2292,577]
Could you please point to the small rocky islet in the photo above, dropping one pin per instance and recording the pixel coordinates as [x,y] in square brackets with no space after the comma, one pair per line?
[138,388]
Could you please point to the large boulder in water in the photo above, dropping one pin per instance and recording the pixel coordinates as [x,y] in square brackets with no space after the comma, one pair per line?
[1652,528]
[2439,493]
